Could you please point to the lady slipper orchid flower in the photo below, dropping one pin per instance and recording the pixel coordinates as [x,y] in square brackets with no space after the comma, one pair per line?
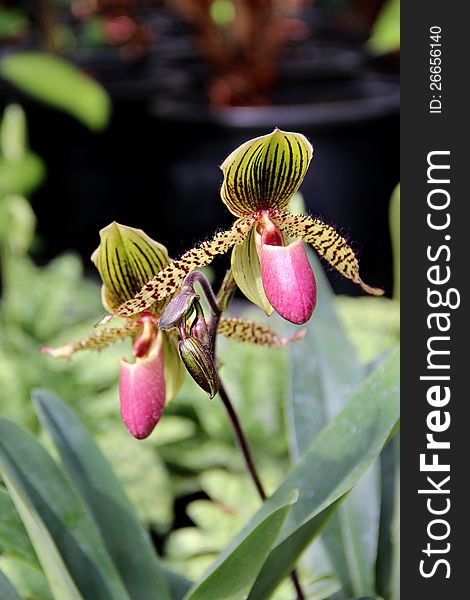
[126,259]
[269,262]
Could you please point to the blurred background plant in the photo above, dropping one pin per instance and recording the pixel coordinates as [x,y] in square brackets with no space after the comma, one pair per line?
[133,123]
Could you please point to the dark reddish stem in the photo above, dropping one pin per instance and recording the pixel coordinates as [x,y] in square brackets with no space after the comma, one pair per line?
[241,440]
[250,464]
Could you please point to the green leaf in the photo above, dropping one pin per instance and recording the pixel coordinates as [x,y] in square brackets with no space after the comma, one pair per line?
[58,83]
[7,591]
[324,373]
[13,22]
[388,562]
[13,537]
[29,581]
[59,578]
[283,558]
[385,36]
[338,457]
[21,176]
[351,537]
[372,323]
[394,218]
[324,369]
[395,532]
[17,226]
[64,537]
[105,498]
[233,574]
[13,133]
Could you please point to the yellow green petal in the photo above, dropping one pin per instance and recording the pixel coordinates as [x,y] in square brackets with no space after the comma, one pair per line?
[254,333]
[246,271]
[327,242]
[174,370]
[167,282]
[98,340]
[126,259]
[265,172]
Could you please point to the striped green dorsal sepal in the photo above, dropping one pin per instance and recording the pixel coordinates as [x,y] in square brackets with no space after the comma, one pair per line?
[265,172]
[126,259]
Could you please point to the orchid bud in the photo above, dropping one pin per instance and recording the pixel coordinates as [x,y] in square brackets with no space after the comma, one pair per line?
[199,329]
[199,362]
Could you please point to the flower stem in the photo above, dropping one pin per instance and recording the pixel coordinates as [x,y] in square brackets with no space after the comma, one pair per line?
[242,441]
[250,464]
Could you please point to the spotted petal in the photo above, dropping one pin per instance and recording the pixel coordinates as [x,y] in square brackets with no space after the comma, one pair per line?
[167,282]
[126,259]
[98,340]
[265,172]
[254,333]
[326,241]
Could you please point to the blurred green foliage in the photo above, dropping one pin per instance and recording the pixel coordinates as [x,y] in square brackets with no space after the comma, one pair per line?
[57,82]
[385,35]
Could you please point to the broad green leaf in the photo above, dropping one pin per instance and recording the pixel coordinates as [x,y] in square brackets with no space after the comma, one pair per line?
[56,82]
[338,457]
[232,575]
[388,563]
[64,537]
[13,537]
[58,577]
[325,371]
[7,591]
[394,218]
[29,581]
[284,556]
[395,532]
[105,498]
[351,537]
